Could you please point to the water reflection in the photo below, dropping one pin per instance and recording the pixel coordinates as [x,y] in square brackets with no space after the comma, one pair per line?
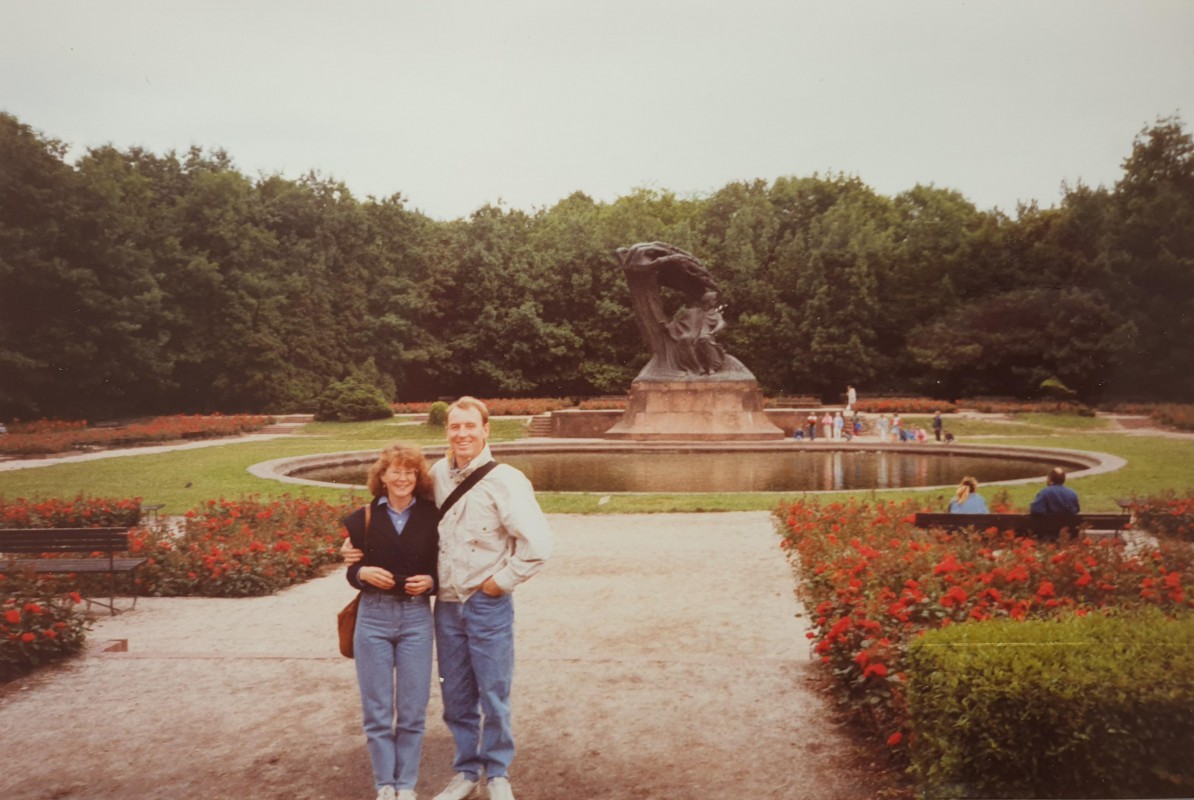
[772,471]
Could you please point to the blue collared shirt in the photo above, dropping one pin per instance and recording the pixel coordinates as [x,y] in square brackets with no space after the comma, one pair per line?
[399,518]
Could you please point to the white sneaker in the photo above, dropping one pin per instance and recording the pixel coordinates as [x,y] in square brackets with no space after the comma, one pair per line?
[406,794]
[499,789]
[386,793]
[459,788]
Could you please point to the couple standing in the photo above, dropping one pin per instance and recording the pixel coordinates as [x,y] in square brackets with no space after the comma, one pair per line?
[469,531]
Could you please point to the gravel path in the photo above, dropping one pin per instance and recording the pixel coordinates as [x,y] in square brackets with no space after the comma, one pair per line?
[659,656]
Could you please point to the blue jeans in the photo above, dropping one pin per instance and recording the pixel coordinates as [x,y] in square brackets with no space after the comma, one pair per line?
[475,644]
[393,637]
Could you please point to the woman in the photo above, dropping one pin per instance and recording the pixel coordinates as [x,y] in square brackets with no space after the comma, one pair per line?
[394,629]
[967,500]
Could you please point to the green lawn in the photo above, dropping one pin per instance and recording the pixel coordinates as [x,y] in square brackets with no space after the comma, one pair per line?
[182,479]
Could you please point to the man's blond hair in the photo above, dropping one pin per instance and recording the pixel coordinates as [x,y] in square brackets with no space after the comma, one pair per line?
[467,403]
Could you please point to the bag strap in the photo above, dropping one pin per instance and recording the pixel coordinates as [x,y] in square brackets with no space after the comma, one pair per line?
[368,517]
[465,485]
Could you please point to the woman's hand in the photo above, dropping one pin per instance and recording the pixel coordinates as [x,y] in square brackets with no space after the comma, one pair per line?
[419,584]
[350,554]
[376,576]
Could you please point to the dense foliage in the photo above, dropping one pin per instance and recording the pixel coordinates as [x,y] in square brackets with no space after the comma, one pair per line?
[138,283]
[39,623]
[1092,706]
[239,548]
[350,400]
[873,583]
[224,548]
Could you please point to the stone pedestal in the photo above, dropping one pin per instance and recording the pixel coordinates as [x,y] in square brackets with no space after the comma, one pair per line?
[697,410]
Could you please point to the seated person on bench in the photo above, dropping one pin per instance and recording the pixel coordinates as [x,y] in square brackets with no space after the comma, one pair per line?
[1056,497]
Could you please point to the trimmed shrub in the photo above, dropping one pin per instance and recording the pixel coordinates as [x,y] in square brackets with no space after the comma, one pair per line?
[1086,706]
[351,401]
[437,414]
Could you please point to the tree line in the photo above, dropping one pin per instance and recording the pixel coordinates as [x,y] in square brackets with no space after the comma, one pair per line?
[133,282]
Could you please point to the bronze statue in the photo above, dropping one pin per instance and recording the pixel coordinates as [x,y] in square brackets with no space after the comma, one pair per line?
[682,348]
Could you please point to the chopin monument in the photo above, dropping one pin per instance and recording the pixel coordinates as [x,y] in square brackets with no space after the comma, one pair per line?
[690,389]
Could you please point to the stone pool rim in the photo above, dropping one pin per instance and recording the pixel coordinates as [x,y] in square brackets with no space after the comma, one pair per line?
[1077,463]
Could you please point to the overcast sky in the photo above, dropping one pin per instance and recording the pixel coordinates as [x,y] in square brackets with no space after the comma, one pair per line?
[458,103]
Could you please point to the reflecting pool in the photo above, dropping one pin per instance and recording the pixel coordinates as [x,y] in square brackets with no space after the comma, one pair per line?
[766,471]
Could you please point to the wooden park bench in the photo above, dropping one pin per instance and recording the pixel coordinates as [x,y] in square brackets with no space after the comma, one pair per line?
[49,542]
[1040,526]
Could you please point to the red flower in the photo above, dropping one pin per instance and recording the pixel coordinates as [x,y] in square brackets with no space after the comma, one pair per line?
[12,616]
[895,739]
[875,669]
[28,637]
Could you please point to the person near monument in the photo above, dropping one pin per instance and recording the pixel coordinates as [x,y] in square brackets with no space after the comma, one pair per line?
[897,432]
[839,423]
[1056,497]
[884,425]
[490,541]
[851,398]
[967,500]
[938,424]
[827,425]
[811,422]
[396,575]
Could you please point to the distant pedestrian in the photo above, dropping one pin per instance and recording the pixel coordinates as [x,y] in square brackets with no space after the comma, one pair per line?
[897,425]
[811,422]
[827,425]
[839,422]
[937,425]
[851,398]
[884,427]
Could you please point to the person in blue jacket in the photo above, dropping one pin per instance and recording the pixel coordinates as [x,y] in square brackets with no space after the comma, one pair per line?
[1056,497]
[967,500]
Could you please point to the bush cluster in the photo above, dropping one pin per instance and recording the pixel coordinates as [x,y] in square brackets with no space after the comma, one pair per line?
[1168,515]
[350,400]
[1095,706]
[873,583]
[76,512]
[239,548]
[437,414]
[38,623]
[46,436]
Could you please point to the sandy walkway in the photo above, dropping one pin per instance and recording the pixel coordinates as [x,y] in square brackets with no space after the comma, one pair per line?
[659,656]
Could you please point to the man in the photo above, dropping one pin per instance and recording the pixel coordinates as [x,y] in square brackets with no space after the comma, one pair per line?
[938,424]
[1055,498]
[491,540]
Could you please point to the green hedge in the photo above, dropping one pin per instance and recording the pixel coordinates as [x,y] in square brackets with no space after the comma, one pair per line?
[1088,706]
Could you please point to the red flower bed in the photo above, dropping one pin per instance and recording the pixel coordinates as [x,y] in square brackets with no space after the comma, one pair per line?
[56,437]
[500,406]
[1024,407]
[77,512]
[239,548]
[1174,415]
[1170,515]
[904,405]
[871,582]
[38,623]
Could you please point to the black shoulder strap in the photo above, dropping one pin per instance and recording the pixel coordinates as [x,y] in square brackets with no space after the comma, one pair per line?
[465,485]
